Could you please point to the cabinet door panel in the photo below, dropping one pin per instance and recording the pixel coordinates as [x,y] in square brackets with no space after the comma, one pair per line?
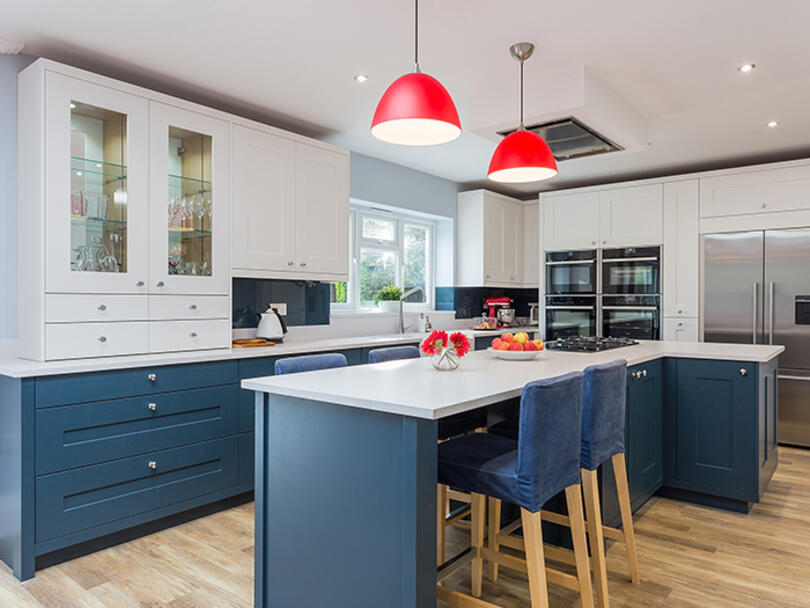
[531,256]
[512,242]
[571,221]
[322,211]
[263,205]
[188,175]
[494,264]
[717,426]
[681,249]
[96,188]
[645,430]
[784,189]
[631,216]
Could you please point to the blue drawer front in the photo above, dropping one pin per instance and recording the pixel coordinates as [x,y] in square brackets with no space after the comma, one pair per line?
[83,498]
[247,450]
[80,388]
[89,433]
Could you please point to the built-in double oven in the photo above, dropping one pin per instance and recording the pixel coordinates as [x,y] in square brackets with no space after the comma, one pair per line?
[608,293]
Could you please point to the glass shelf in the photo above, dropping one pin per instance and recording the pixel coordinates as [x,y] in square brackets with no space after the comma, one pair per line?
[190,179]
[190,232]
[79,166]
[84,218]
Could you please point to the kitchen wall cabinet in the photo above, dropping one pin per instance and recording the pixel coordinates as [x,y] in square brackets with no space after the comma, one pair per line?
[631,216]
[531,239]
[570,221]
[490,240]
[754,192]
[681,253]
[302,191]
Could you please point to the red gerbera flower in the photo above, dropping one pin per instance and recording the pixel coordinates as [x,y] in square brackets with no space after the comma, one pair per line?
[460,341]
[434,342]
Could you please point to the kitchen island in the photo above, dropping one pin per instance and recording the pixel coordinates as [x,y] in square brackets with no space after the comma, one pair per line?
[346,458]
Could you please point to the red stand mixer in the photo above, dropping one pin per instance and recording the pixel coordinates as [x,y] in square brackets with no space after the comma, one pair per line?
[501,310]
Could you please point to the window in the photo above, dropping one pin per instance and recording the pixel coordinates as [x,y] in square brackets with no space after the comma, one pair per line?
[386,248]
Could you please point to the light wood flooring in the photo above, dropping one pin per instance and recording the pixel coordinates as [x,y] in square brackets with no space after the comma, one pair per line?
[690,556]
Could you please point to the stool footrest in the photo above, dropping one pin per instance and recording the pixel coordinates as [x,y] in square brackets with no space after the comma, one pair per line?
[461,600]
[454,564]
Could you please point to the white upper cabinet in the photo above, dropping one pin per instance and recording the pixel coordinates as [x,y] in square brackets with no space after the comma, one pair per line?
[631,216]
[531,255]
[681,253]
[783,189]
[96,188]
[490,240]
[188,178]
[321,211]
[570,221]
[262,209]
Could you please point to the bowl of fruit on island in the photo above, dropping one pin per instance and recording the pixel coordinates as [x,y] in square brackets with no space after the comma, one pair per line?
[516,347]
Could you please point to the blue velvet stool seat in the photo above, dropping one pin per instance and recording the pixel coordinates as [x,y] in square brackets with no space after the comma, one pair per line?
[527,471]
[309,363]
[450,426]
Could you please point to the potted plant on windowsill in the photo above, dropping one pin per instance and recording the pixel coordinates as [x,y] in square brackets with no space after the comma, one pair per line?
[387,298]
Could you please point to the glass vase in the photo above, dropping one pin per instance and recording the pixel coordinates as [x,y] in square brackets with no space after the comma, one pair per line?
[446,359]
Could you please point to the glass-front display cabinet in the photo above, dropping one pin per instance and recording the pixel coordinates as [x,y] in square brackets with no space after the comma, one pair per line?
[96,192]
[189,223]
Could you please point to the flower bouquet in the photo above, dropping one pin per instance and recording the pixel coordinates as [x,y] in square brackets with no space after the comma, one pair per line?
[446,351]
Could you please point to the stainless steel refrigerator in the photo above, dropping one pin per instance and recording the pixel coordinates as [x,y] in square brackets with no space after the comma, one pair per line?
[756,290]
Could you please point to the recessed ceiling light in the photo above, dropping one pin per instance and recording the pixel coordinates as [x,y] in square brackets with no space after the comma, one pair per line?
[746,67]
[72,106]
[361,77]
[773,123]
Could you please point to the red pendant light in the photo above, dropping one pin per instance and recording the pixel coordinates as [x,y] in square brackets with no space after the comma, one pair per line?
[522,156]
[416,110]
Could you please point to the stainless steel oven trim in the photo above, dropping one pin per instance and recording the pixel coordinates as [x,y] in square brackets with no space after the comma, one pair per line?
[630,308]
[570,262]
[644,259]
[562,307]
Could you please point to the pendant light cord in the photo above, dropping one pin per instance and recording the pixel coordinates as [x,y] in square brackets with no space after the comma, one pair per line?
[522,126]
[416,36]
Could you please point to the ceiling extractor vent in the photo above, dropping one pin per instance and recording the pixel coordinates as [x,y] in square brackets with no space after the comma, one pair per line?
[568,138]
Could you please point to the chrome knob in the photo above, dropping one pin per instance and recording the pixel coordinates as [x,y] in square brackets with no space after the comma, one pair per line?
[680,324]
[193,307]
[634,375]
[102,339]
[193,334]
[290,263]
[160,283]
[139,284]
[644,373]
[152,377]
[743,372]
[303,264]
[593,242]
[680,311]
[604,242]
[102,307]
[152,465]
[152,407]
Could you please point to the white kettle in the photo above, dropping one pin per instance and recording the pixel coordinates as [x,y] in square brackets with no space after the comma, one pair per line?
[271,326]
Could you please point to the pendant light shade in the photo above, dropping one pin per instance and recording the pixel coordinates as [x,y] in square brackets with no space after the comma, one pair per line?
[522,156]
[416,110]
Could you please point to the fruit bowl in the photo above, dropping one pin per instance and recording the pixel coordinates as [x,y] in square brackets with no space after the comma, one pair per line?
[515,355]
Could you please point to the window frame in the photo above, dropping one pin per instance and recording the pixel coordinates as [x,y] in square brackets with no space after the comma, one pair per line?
[358,242]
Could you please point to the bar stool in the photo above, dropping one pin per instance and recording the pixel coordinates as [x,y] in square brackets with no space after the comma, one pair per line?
[451,426]
[542,462]
[603,418]
[309,363]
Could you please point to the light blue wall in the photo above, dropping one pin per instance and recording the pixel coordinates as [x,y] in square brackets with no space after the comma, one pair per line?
[9,66]
[378,181]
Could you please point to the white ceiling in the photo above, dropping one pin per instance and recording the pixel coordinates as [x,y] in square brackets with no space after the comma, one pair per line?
[673,63]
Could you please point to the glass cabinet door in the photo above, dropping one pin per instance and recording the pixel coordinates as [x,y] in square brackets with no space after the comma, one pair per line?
[189,246]
[96,188]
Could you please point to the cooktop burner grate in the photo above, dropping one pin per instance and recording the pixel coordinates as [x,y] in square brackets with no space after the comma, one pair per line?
[588,344]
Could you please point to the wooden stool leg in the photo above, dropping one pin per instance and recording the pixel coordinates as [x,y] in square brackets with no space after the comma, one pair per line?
[494,530]
[620,473]
[441,528]
[477,524]
[573,497]
[535,558]
[594,516]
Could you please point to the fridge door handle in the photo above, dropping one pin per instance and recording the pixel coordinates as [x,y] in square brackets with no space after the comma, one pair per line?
[754,314]
[770,313]
[800,378]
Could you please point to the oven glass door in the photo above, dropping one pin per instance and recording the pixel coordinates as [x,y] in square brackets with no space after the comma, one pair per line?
[631,277]
[570,318]
[571,277]
[639,323]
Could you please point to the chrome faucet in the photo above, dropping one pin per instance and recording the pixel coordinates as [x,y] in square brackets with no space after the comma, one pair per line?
[408,293]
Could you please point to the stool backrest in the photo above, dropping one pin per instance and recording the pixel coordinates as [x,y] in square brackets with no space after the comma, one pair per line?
[549,438]
[603,402]
[378,355]
[308,363]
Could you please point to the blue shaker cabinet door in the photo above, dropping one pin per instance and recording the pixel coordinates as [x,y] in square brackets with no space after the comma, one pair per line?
[644,431]
[717,427]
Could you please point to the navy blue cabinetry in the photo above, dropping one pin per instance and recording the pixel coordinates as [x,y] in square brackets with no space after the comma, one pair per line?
[644,431]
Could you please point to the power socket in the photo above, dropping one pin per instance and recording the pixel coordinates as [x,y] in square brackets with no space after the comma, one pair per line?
[281,307]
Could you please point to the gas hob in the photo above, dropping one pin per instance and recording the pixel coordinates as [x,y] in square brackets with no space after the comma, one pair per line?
[582,344]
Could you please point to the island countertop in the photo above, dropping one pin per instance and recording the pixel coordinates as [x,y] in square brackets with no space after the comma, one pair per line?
[413,388]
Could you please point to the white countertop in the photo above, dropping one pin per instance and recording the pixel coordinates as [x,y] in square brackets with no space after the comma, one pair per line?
[23,368]
[413,388]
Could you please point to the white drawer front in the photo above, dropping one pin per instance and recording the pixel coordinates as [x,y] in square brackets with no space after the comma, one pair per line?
[83,308]
[681,329]
[165,308]
[79,340]
[167,336]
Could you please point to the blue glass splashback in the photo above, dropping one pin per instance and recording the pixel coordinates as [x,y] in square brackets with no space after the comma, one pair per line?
[307,301]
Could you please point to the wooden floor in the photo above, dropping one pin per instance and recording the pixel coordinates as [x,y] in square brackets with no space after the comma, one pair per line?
[690,556]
